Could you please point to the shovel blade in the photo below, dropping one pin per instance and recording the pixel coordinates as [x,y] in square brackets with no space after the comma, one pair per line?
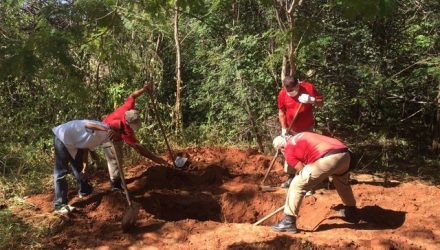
[130,216]
[180,162]
[268,189]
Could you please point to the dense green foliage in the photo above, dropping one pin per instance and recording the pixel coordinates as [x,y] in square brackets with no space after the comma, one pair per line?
[376,62]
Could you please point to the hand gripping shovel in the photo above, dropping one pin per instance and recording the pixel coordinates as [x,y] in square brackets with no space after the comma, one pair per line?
[131,213]
[178,162]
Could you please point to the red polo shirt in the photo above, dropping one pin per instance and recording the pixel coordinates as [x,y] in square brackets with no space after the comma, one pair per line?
[308,147]
[289,105]
[117,120]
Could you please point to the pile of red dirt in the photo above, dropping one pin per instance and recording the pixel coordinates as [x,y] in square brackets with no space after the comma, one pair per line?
[214,201]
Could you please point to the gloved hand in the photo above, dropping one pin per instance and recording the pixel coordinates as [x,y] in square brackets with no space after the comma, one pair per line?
[305,98]
[283,131]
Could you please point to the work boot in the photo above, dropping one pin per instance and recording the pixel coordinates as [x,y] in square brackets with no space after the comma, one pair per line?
[64,209]
[350,214]
[287,224]
[310,192]
[116,185]
[286,184]
[86,190]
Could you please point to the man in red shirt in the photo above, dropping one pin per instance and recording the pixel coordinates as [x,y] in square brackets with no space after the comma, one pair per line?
[315,157]
[290,98]
[127,119]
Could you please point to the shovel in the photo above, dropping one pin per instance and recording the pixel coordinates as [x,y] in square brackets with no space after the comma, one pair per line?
[268,216]
[268,188]
[178,162]
[295,116]
[131,213]
[262,186]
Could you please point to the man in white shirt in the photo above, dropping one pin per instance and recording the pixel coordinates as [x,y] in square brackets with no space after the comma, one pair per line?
[72,140]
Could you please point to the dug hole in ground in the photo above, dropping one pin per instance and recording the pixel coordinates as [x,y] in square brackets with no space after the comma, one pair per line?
[213,203]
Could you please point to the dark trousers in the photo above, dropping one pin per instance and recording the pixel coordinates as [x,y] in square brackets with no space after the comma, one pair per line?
[62,159]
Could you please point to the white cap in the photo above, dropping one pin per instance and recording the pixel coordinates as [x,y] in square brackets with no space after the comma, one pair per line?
[279,141]
[133,119]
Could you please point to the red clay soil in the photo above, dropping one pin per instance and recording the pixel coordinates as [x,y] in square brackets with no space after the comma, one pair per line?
[214,201]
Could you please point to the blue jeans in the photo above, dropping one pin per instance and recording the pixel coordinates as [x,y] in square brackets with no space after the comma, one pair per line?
[62,159]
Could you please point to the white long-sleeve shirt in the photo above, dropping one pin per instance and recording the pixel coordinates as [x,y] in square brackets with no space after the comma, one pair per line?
[75,135]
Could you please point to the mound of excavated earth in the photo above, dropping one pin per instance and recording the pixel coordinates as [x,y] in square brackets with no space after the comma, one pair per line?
[214,201]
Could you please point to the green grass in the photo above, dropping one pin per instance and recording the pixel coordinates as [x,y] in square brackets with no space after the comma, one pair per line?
[16,234]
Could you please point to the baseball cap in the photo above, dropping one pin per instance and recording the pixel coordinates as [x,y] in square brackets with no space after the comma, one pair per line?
[279,142]
[133,119]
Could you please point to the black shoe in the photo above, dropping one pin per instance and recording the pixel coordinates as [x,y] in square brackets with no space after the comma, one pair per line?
[287,224]
[287,183]
[86,191]
[350,214]
[116,185]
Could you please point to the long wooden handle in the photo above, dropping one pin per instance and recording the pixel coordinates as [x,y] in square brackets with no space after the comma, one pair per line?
[156,113]
[121,174]
[269,215]
[270,167]
[295,116]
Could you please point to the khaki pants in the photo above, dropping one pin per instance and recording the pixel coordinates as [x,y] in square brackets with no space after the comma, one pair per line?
[313,174]
[111,159]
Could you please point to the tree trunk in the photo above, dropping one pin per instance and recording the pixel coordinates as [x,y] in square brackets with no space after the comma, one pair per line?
[291,20]
[436,127]
[178,111]
[284,68]
[286,21]
[254,126]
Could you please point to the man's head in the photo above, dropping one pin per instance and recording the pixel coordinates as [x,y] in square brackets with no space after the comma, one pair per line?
[291,85]
[133,119]
[279,142]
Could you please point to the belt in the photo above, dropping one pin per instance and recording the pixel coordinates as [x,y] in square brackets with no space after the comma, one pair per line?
[336,151]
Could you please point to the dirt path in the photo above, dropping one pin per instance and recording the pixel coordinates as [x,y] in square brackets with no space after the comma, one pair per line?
[213,203]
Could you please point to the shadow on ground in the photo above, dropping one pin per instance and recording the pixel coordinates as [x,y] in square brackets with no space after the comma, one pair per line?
[372,218]
[279,242]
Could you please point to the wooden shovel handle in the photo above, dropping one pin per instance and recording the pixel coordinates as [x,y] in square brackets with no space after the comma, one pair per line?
[268,216]
[156,114]
[295,116]
[270,166]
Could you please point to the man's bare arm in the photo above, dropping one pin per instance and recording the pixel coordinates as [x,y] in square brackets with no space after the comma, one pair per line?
[147,87]
[147,153]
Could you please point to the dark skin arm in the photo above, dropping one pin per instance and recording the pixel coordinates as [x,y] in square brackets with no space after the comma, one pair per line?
[148,154]
[138,147]
[112,133]
[85,161]
[147,87]
[282,118]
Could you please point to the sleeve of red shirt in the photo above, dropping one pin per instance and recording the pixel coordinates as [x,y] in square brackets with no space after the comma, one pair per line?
[114,124]
[129,103]
[281,103]
[129,137]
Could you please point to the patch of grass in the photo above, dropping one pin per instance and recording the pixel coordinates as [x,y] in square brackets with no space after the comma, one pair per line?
[397,157]
[16,234]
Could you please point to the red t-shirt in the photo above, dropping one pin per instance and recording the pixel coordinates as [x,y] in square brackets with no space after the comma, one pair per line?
[307,147]
[289,105]
[117,120]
